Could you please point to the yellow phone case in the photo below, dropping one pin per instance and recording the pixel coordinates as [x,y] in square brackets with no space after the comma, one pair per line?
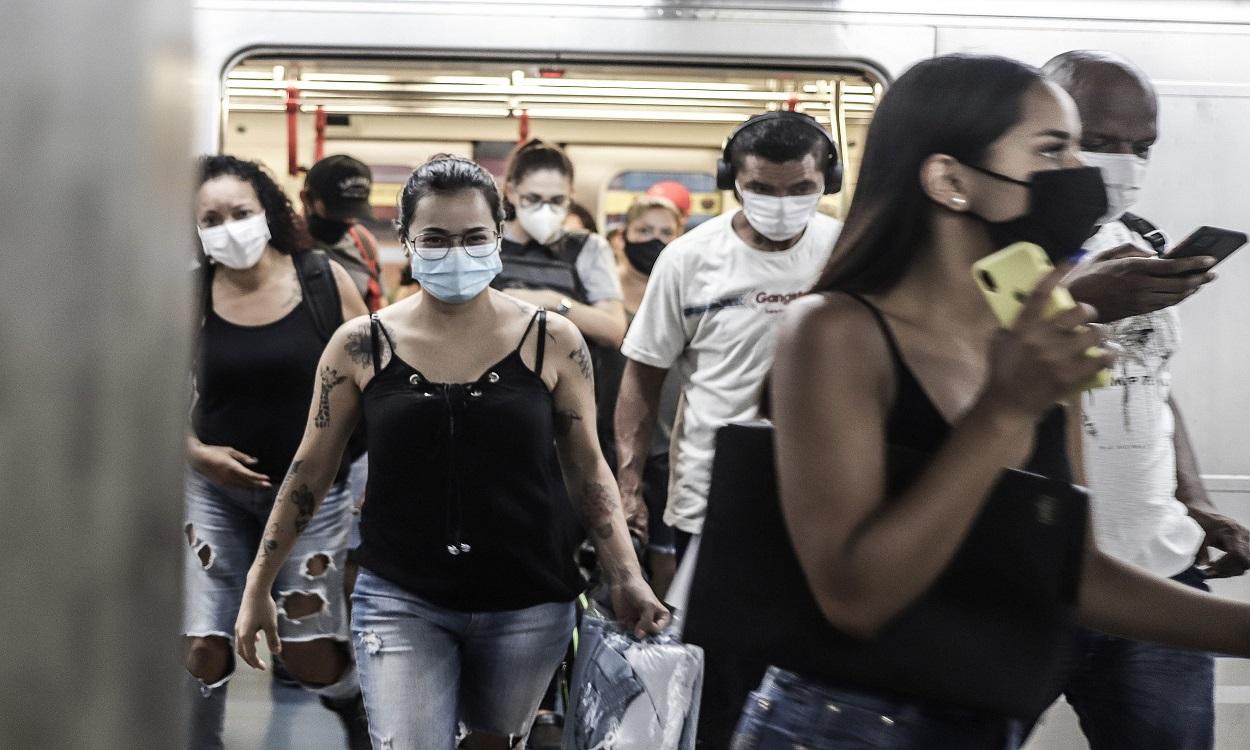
[1008,277]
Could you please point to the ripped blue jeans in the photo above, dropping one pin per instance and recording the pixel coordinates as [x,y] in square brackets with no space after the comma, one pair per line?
[426,669]
[223,528]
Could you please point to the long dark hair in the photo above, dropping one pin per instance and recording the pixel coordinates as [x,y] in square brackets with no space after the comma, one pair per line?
[444,173]
[956,105]
[286,229]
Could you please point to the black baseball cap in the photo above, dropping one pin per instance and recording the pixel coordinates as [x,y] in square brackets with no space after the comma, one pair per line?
[343,184]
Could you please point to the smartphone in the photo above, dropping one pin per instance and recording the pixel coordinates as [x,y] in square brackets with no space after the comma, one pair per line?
[1210,241]
[1008,277]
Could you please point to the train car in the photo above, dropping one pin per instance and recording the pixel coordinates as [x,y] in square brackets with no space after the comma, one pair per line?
[645,90]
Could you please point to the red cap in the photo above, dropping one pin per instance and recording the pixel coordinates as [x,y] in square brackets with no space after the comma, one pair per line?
[675,192]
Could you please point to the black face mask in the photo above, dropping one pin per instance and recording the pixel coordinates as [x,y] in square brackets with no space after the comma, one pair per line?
[330,231]
[1064,206]
[642,255]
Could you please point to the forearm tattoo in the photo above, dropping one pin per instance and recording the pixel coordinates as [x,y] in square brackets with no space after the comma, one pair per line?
[564,422]
[330,379]
[270,543]
[305,505]
[599,505]
[581,356]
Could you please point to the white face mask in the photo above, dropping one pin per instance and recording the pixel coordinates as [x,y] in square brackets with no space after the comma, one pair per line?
[542,222]
[237,244]
[778,219]
[1123,175]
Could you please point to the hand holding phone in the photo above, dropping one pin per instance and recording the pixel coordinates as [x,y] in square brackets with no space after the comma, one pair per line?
[1008,277]
[1207,242]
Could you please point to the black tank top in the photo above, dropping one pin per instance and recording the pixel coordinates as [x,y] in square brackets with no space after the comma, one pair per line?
[255,384]
[914,422]
[466,504]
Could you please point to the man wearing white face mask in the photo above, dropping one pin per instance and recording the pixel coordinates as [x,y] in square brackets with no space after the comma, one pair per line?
[1148,504]
[711,305]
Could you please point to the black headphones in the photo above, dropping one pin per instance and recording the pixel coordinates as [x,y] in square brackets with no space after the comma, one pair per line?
[726,174]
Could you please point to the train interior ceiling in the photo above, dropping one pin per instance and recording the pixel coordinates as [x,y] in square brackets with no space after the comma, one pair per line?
[624,126]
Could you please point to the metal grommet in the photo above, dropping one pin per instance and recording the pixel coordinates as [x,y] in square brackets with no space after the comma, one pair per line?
[493,377]
[475,393]
[414,379]
[887,721]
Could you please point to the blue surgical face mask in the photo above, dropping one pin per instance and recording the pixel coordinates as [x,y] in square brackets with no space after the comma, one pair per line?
[459,276]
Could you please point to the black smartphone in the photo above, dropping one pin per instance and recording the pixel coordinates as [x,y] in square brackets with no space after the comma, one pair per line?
[1208,241]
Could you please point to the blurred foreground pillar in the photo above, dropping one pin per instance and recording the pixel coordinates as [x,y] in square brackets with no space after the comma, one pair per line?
[94,323]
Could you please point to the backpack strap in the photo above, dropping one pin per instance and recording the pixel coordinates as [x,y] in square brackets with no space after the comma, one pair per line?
[368,253]
[316,281]
[1149,232]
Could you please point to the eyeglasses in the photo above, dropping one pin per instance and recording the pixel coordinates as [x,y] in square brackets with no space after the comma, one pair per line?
[531,200]
[477,244]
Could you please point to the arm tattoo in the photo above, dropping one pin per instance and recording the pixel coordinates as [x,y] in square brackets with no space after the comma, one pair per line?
[270,543]
[598,506]
[360,346]
[330,378]
[290,475]
[305,505]
[564,422]
[581,356]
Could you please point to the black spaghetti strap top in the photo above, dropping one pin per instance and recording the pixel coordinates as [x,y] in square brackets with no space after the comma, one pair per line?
[466,504]
[914,422]
[254,385]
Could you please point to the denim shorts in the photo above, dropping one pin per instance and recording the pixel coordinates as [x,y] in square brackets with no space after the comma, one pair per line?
[426,669]
[223,530]
[790,712]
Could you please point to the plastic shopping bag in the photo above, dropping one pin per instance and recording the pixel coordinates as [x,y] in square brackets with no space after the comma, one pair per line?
[631,694]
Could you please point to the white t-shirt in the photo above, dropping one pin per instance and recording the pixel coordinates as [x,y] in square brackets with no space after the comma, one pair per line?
[710,308]
[1130,459]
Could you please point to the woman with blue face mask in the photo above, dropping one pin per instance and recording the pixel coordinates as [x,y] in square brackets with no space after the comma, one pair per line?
[255,371]
[479,411]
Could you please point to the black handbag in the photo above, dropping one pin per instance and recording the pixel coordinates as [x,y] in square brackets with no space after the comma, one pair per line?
[988,636]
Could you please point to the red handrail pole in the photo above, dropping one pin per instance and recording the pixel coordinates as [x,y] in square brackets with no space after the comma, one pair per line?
[319,145]
[292,130]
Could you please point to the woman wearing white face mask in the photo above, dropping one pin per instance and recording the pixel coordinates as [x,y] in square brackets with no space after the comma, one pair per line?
[479,413]
[570,272]
[255,371]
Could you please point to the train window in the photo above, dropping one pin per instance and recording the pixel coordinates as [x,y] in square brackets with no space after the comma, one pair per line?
[622,125]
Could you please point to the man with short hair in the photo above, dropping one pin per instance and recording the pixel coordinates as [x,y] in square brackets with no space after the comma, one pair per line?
[336,199]
[1148,504]
[712,303]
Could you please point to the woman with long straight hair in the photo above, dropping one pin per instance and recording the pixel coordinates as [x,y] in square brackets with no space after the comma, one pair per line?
[479,413]
[965,155]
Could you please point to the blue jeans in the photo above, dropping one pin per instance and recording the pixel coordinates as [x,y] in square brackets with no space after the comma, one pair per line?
[789,712]
[1141,695]
[424,669]
[223,530]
